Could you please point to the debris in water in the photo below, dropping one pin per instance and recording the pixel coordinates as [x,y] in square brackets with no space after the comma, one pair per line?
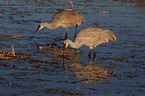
[5,55]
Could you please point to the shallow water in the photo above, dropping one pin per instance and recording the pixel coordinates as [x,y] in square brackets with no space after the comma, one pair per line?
[118,69]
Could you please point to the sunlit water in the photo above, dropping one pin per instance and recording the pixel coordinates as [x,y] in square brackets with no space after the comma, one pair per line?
[117,69]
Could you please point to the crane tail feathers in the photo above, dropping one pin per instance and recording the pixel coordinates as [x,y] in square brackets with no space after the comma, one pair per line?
[111,35]
[113,38]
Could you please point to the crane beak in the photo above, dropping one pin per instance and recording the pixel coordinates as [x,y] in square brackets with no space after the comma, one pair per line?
[39,27]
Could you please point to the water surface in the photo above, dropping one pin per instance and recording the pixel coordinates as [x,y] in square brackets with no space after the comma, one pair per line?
[118,69]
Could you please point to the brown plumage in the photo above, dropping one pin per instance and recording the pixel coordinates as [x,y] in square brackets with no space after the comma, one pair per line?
[91,37]
[63,19]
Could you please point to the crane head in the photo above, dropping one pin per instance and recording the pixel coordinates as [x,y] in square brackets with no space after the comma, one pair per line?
[40,26]
[66,42]
[65,45]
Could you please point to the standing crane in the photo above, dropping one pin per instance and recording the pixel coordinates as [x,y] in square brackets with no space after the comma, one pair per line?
[91,37]
[65,19]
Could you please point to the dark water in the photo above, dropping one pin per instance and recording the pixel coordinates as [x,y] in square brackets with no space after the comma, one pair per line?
[118,69]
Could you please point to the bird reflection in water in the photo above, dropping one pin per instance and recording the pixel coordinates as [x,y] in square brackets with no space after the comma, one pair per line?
[90,73]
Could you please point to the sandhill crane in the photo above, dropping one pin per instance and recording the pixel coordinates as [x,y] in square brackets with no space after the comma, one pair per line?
[91,37]
[64,19]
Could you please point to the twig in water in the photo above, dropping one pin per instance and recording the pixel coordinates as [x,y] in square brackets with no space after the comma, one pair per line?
[13,51]
[72,4]
[6,3]
[6,6]
[66,9]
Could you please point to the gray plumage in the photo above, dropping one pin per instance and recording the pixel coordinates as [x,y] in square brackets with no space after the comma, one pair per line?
[63,19]
[91,37]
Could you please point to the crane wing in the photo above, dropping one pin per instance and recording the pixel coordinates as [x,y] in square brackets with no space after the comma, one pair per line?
[92,36]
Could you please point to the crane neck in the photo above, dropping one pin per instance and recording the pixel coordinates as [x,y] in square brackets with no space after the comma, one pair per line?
[51,26]
[75,44]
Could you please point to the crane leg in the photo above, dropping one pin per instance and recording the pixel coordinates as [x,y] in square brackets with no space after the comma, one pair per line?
[76,30]
[94,52]
[89,53]
[66,34]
